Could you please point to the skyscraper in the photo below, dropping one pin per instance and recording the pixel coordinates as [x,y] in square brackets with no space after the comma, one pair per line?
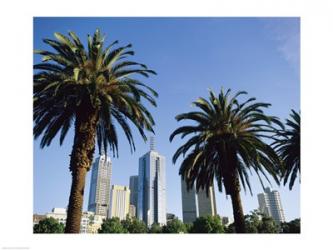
[197,204]
[151,191]
[133,185]
[99,196]
[120,201]
[270,204]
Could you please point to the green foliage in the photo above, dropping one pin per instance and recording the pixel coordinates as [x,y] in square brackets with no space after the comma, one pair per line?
[257,223]
[112,225]
[288,146]
[133,225]
[49,225]
[292,227]
[207,224]
[155,228]
[71,78]
[174,226]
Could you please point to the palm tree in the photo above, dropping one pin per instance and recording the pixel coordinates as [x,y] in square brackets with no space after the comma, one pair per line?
[94,89]
[226,143]
[287,145]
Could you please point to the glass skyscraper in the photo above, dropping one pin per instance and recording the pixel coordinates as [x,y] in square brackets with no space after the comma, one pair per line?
[196,204]
[270,204]
[151,205]
[99,195]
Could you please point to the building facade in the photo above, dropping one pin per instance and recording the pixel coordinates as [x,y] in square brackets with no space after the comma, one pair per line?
[133,186]
[120,202]
[132,211]
[151,206]
[197,204]
[270,205]
[90,223]
[99,195]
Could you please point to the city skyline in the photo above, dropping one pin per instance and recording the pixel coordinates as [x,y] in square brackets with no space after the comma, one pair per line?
[277,80]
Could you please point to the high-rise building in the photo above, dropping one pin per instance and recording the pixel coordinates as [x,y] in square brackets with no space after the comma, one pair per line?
[99,196]
[270,204]
[120,201]
[197,204]
[151,206]
[133,186]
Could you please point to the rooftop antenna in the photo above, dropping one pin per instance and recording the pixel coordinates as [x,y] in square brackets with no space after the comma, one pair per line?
[152,143]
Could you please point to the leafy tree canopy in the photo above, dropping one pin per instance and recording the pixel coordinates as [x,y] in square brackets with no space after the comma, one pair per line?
[155,228]
[208,224]
[49,225]
[112,225]
[174,226]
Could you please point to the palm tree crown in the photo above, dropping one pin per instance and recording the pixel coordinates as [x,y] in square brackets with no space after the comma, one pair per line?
[226,133]
[288,146]
[99,79]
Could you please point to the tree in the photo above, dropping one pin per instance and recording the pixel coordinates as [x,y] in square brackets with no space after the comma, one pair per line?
[112,225]
[133,225]
[49,225]
[257,223]
[227,141]
[292,227]
[174,226]
[208,224]
[94,89]
[155,228]
[288,146]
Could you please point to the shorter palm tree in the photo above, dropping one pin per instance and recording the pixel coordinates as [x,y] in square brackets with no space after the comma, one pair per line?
[288,146]
[226,143]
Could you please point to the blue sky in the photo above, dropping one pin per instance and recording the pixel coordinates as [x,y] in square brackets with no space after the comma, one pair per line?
[190,55]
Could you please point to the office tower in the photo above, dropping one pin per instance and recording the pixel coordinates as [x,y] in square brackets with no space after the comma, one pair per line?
[151,196]
[270,204]
[120,201]
[99,196]
[133,186]
[189,204]
[197,204]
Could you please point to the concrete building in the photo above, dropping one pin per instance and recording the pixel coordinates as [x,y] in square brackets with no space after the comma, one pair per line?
[270,204]
[152,189]
[133,186]
[120,201]
[60,214]
[132,211]
[197,204]
[90,223]
[99,196]
[37,218]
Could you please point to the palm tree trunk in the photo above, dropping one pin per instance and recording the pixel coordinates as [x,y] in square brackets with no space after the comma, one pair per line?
[80,163]
[238,210]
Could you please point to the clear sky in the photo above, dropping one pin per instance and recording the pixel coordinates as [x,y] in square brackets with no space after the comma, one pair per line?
[190,55]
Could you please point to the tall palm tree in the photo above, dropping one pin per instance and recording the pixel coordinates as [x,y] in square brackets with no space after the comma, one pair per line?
[94,89]
[226,143]
[288,145]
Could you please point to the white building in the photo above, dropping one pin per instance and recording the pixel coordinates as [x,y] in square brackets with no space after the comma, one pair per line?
[99,196]
[88,219]
[151,206]
[197,204]
[270,205]
[120,202]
